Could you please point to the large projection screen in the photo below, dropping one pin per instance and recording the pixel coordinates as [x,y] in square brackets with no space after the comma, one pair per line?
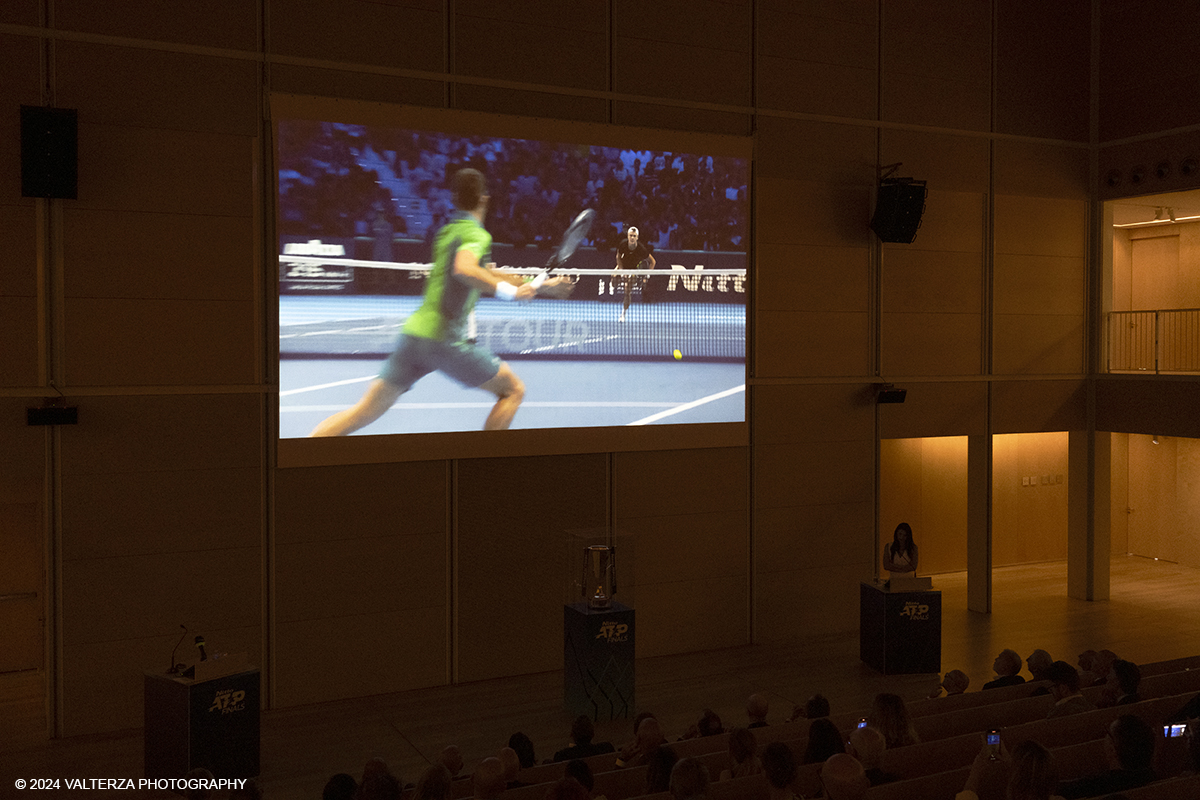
[653,358]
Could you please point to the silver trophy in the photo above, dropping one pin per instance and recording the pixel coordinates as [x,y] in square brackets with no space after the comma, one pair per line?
[599,575]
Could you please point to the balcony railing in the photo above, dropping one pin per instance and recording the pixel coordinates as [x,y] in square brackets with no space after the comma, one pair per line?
[1162,341]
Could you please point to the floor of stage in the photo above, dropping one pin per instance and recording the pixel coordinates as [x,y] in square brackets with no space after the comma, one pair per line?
[1153,615]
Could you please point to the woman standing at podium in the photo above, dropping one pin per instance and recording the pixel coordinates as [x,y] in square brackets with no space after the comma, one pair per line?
[901,554]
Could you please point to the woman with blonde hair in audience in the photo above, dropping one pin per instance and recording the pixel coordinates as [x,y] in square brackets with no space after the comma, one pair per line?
[1029,774]
[889,716]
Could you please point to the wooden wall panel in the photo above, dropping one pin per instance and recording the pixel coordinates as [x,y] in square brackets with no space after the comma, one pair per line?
[828,154]
[310,80]
[160,342]
[916,280]
[1142,40]
[1034,406]
[813,506]
[797,277]
[936,409]
[19,332]
[1027,344]
[1119,494]
[513,516]
[361,566]
[408,36]
[948,163]
[1041,170]
[19,60]
[1165,510]
[1036,284]
[818,60]
[151,89]
[233,26]
[686,512]
[128,254]
[931,344]
[128,513]
[20,12]
[1035,40]
[836,344]
[936,66]
[499,42]
[530,104]
[1029,498]
[806,212]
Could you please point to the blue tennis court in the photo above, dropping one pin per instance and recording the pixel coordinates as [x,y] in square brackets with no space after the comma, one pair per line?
[332,347]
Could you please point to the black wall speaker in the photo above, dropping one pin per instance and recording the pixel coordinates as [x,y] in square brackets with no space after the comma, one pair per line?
[49,152]
[898,210]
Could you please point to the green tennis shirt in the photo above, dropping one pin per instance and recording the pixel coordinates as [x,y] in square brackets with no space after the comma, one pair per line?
[448,301]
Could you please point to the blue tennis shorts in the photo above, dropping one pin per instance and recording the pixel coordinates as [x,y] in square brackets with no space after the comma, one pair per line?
[415,357]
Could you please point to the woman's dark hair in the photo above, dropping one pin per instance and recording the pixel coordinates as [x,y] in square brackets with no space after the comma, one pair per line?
[824,740]
[658,769]
[524,747]
[578,769]
[1033,775]
[907,547]
[779,764]
[742,744]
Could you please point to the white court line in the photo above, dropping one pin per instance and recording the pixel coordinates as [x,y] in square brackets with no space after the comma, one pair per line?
[526,404]
[688,406]
[328,385]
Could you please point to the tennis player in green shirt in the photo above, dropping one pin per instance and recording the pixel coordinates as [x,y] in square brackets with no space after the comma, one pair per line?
[435,337]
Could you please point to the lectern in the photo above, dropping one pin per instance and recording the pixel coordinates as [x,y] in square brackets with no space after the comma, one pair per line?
[598,659]
[210,723]
[900,633]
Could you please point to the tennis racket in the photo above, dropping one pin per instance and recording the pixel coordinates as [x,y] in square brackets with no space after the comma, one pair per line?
[571,240]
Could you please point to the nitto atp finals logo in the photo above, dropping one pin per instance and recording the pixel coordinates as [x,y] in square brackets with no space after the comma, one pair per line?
[614,632]
[915,611]
[228,701]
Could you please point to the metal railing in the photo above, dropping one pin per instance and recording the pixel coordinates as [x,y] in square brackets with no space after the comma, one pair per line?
[1161,341]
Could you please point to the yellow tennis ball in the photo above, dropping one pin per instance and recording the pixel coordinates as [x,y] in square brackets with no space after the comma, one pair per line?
[678,355]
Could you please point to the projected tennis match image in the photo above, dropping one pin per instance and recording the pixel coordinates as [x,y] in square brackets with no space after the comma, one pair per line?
[433,282]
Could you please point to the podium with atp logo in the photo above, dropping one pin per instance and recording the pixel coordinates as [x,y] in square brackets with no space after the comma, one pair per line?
[598,660]
[210,721]
[900,632]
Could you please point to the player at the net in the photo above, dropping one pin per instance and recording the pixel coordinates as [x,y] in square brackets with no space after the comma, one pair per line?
[631,254]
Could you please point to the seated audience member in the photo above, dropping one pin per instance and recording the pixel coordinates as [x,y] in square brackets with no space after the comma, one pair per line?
[844,778]
[867,745]
[1038,662]
[659,763]
[779,765]
[1006,665]
[889,716]
[1064,687]
[340,787]
[380,786]
[689,779]
[814,707]
[1193,734]
[434,784]
[567,789]
[1189,710]
[1030,774]
[524,747]
[709,724]
[451,758]
[582,731]
[649,738]
[1124,678]
[1129,750]
[824,740]
[1101,667]
[1087,666]
[756,710]
[512,767]
[955,682]
[578,769]
[488,779]
[743,755]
